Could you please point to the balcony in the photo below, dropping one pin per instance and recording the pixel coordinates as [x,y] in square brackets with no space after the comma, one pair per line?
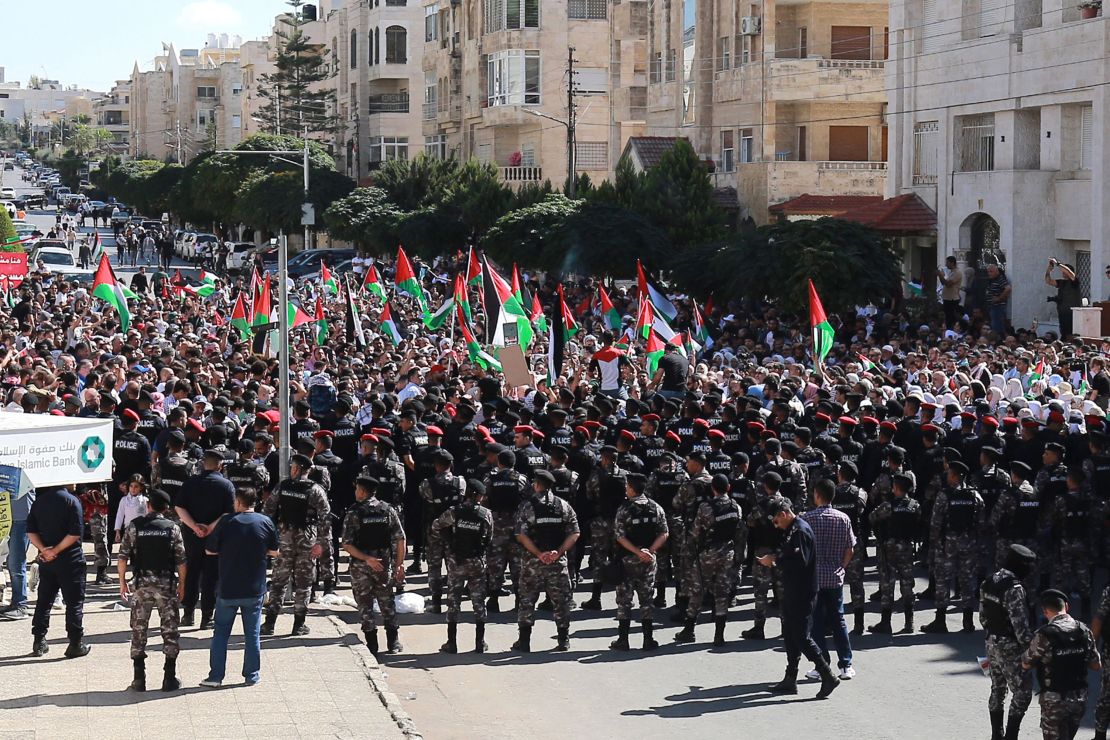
[786,180]
[389,103]
[429,111]
[520,175]
[810,80]
[508,115]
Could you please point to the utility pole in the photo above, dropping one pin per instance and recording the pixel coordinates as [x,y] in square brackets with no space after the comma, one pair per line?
[178,135]
[572,185]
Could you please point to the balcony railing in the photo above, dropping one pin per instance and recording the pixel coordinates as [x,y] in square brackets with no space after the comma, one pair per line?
[867,166]
[389,103]
[851,63]
[521,174]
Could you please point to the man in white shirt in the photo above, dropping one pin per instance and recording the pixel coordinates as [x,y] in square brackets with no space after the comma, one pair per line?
[952,281]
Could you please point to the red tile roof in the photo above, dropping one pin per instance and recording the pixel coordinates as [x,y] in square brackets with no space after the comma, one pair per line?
[823,205]
[901,214]
[650,149]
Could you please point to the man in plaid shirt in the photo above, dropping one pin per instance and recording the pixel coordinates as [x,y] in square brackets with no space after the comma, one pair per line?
[834,545]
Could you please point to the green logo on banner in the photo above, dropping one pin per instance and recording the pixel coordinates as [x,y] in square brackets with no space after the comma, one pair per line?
[91,454]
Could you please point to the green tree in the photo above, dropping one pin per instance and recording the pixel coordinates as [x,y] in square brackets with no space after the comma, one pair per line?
[87,139]
[294,98]
[478,198]
[677,196]
[417,183]
[184,196]
[272,200]
[7,233]
[366,217]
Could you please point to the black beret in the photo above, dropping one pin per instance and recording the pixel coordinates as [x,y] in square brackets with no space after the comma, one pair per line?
[545,476]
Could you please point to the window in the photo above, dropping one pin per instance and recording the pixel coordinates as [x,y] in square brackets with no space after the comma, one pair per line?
[431,94]
[929,31]
[728,153]
[926,136]
[353,49]
[991,15]
[386,148]
[670,65]
[396,45]
[334,55]
[206,92]
[587,10]
[592,155]
[745,49]
[505,14]
[430,23]
[747,145]
[236,121]
[655,68]
[513,77]
[591,80]
[236,89]
[803,149]
[377,45]
[205,117]
[848,143]
[975,143]
[851,42]
[436,146]
[1086,128]
[803,42]
[527,155]
[722,54]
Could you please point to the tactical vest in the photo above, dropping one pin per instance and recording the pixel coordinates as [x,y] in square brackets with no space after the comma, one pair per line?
[373,527]
[961,511]
[1100,476]
[154,546]
[504,492]
[718,463]
[446,492]
[242,475]
[903,523]
[1066,668]
[610,491]
[643,523]
[533,459]
[173,475]
[667,483]
[1077,515]
[391,482]
[471,533]
[293,508]
[550,528]
[996,617]
[848,501]
[726,520]
[564,483]
[1027,512]
[703,493]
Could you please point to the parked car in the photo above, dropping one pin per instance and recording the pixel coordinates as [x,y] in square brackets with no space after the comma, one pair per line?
[58,260]
[341,268]
[310,260]
[238,259]
[7,192]
[121,218]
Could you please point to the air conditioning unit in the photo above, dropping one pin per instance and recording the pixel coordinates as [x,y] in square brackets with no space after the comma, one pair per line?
[749,25]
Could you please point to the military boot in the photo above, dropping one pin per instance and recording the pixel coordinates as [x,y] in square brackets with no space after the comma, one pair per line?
[680,604]
[392,641]
[909,620]
[523,643]
[1099,735]
[493,605]
[299,627]
[788,684]
[101,575]
[1013,726]
[829,680]
[39,648]
[687,633]
[169,675]
[77,647]
[594,603]
[480,645]
[857,628]
[268,623]
[621,643]
[371,640]
[563,637]
[329,586]
[719,631]
[756,631]
[939,625]
[649,637]
[436,607]
[969,621]
[660,601]
[138,683]
[883,627]
[188,618]
[545,605]
[452,632]
[997,722]
[930,593]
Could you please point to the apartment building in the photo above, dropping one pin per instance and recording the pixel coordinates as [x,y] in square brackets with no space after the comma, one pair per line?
[113,112]
[786,97]
[999,123]
[48,101]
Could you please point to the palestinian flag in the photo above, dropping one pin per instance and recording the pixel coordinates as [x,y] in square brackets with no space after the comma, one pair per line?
[435,321]
[1083,388]
[609,314]
[1039,371]
[503,309]
[207,284]
[295,314]
[868,366]
[389,327]
[822,330]
[462,299]
[353,320]
[651,289]
[6,289]
[645,317]
[108,289]
[556,341]
[569,325]
[327,280]
[654,350]
[474,351]
[539,321]
[690,345]
[373,283]
[218,319]
[239,317]
[262,304]
[473,269]
[700,332]
[406,283]
[516,287]
[321,322]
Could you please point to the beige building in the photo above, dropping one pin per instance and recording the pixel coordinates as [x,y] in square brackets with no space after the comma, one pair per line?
[785,97]
[113,112]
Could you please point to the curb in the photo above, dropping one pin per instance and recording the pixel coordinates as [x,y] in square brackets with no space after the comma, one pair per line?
[373,671]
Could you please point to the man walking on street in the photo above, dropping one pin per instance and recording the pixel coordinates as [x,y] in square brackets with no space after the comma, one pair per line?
[836,545]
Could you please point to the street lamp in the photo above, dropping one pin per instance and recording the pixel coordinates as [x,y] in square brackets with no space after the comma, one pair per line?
[283,298]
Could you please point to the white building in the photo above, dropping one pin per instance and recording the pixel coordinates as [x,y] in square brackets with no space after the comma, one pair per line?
[998,121]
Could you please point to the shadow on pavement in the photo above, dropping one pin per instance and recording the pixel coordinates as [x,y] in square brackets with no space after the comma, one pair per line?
[699,701]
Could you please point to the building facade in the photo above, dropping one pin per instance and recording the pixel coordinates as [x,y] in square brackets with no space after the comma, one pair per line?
[113,113]
[999,123]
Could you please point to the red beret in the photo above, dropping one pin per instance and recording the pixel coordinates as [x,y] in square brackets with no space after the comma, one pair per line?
[523,429]
[990,421]
[131,415]
[716,434]
[381,432]
[592,424]
[822,416]
[538,434]
[1056,417]
[768,434]
[483,430]
[59,412]
[1010,421]
[434,431]
[650,417]
[929,406]
[969,415]
[756,425]
[437,368]
[871,420]
[1092,419]
[368,438]
[701,423]
[323,433]
[674,437]
[849,420]
[195,424]
[890,426]
[1031,424]
[584,429]
[628,434]
[930,428]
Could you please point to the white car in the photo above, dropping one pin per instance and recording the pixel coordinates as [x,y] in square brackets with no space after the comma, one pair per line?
[239,257]
[9,207]
[7,193]
[186,245]
[58,260]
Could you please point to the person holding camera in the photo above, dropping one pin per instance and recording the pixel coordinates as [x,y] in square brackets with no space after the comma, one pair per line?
[1067,294]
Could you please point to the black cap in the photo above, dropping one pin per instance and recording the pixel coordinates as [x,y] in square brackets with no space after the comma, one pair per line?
[1053,594]
[789,447]
[906,481]
[779,504]
[545,477]
[159,496]
[476,487]
[992,452]
[245,445]
[301,459]
[609,450]
[772,446]
[720,482]
[959,466]
[178,436]
[772,477]
[1021,469]
[214,454]
[443,457]
[1021,553]
[506,458]
[696,456]
[1054,447]
[849,467]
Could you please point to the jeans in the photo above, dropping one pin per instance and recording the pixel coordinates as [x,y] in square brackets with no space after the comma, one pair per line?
[620,394]
[998,317]
[226,609]
[17,562]
[65,574]
[830,610]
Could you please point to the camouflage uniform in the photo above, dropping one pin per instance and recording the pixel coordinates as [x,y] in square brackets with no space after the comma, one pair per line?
[504,491]
[1015,519]
[300,509]
[899,519]
[1073,522]
[95,505]
[851,500]
[605,489]
[439,493]
[374,527]
[547,520]
[1102,708]
[640,521]
[662,485]
[764,539]
[154,548]
[691,495]
[716,533]
[1004,615]
[958,516]
[464,531]
[1063,677]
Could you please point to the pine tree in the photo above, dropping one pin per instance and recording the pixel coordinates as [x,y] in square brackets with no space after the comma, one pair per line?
[294,101]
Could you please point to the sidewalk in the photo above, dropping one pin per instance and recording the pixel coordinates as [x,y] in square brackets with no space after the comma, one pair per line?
[323,685]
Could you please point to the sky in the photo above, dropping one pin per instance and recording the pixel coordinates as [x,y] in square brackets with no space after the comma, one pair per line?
[93,44]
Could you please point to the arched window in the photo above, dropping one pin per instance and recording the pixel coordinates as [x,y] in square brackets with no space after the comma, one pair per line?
[370,48]
[354,49]
[396,45]
[377,46]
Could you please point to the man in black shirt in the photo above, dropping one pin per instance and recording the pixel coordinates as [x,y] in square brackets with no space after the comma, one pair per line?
[202,501]
[54,528]
[670,377]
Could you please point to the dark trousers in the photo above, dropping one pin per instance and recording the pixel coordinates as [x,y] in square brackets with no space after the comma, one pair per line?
[201,575]
[1065,316]
[951,313]
[114,497]
[414,523]
[67,575]
[797,624]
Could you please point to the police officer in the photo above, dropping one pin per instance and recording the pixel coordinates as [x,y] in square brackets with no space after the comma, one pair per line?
[54,527]
[641,529]
[505,489]
[851,500]
[246,473]
[1074,525]
[153,546]
[546,527]
[465,530]
[1062,651]
[695,491]
[1004,614]
[605,490]
[716,535]
[663,485]
[957,523]
[203,499]
[1102,708]
[566,480]
[300,509]
[529,458]
[1016,517]
[174,468]
[764,538]
[439,493]
[375,540]
[898,519]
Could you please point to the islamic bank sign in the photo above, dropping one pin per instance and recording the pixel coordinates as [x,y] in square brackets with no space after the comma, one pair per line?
[54,450]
